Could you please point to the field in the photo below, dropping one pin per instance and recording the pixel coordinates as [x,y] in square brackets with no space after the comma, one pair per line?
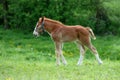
[24,57]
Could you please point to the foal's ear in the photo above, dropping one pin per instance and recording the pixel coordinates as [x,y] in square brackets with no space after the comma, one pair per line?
[42,19]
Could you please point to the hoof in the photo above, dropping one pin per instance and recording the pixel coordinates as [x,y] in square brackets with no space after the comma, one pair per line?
[100,62]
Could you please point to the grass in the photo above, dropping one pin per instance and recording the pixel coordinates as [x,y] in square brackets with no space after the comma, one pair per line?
[23,57]
[12,70]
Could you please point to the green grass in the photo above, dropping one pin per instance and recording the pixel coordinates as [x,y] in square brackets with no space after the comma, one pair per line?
[22,70]
[24,57]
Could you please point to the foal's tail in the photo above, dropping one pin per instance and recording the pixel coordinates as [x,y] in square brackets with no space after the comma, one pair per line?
[91,32]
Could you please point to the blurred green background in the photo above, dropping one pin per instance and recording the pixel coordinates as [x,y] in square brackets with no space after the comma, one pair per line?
[24,57]
[103,16]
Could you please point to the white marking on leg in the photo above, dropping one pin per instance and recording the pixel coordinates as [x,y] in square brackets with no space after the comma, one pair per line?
[98,59]
[80,60]
[93,49]
[81,55]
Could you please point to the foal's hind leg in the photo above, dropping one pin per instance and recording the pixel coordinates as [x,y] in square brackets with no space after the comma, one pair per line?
[87,42]
[94,50]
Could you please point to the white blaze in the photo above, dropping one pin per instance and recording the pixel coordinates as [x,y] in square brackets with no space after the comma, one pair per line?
[35,31]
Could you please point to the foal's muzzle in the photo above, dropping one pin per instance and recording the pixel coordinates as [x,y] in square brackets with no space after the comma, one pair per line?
[35,33]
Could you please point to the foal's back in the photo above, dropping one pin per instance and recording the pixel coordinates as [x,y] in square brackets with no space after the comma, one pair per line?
[78,30]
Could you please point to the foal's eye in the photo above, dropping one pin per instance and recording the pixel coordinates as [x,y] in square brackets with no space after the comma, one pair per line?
[37,26]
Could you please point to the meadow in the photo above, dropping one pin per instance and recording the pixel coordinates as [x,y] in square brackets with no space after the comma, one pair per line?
[24,57]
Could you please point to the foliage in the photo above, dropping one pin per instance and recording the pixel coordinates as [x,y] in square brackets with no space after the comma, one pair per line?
[24,14]
[113,12]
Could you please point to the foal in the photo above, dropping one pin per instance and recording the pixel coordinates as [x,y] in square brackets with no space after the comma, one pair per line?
[61,33]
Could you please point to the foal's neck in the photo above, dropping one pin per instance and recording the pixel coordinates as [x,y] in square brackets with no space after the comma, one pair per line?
[50,26]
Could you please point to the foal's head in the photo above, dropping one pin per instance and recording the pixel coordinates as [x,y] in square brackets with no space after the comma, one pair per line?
[39,28]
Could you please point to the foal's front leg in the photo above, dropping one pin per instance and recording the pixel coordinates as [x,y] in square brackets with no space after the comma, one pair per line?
[58,51]
[63,58]
[82,52]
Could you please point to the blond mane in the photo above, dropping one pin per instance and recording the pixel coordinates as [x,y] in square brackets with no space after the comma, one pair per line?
[53,21]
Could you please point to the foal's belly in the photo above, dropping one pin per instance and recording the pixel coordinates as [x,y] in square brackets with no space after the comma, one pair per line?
[68,39]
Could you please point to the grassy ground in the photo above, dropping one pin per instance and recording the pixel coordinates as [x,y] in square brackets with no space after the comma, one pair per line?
[23,70]
[23,57]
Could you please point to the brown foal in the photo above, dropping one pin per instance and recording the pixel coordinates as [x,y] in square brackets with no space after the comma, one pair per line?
[61,33]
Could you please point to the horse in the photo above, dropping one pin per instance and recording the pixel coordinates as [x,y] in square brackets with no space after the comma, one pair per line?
[61,33]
